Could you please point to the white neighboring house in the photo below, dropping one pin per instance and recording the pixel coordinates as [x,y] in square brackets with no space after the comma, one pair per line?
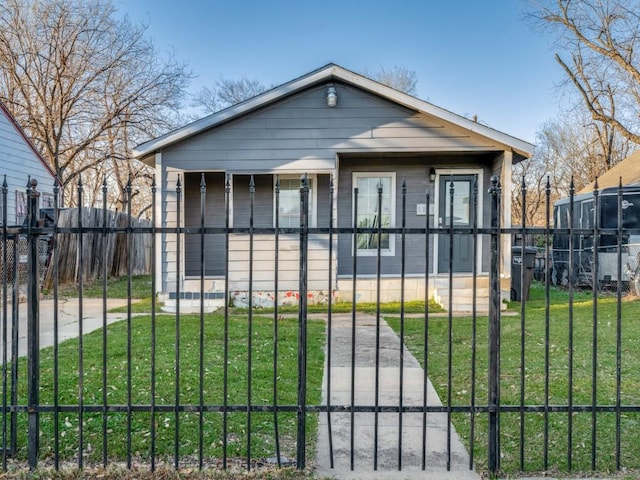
[20,161]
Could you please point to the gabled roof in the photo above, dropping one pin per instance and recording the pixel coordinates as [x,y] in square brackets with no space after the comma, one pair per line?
[627,170]
[21,132]
[326,74]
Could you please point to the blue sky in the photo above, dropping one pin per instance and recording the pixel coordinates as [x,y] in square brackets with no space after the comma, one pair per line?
[470,56]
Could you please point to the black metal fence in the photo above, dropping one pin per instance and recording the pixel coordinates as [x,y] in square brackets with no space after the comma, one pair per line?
[517,386]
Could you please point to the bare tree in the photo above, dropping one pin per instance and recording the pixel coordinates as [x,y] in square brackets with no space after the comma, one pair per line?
[602,38]
[78,79]
[398,77]
[227,93]
[572,148]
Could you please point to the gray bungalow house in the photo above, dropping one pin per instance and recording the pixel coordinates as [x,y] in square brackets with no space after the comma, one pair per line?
[330,124]
[19,161]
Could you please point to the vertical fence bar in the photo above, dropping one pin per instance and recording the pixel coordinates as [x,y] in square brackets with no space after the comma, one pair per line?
[302,324]
[203,203]
[570,360]
[619,330]
[594,356]
[403,242]
[33,328]
[15,331]
[80,327]
[55,253]
[425,352]
[104,325]
[450,322]
[499,325]
[547,325]
[276,268]
[354,297]
[129,327]
[5,312]
[474,320]
[152,426]
[252,198]
[377,355]
[523,294]
[330,320]
[494,329]
[176,407]
[225,367]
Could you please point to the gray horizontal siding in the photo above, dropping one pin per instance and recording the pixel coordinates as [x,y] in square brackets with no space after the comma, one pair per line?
[415,173]
[263,209]
[303,133]
[264,263]
[214,216]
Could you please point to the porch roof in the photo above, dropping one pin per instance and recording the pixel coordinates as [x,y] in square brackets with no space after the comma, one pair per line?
[327,74]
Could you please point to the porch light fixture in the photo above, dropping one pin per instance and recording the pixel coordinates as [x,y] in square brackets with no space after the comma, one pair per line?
[332,96]
[432,174]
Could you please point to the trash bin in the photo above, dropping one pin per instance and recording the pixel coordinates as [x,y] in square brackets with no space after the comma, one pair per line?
[519,291]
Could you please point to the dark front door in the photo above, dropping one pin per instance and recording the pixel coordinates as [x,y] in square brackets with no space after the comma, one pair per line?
[461,209]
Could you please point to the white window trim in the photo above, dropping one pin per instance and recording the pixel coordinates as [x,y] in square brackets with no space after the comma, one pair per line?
[385,252]
[462,171]
[313,195]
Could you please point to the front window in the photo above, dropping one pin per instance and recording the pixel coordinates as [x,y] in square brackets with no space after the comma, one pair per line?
[289,207]
[368,215]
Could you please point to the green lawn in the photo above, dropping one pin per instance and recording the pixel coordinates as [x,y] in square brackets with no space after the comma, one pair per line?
[262,425]
[116,288]
[534,379]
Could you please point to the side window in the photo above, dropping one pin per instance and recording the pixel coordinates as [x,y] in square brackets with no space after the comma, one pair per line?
[46,200]
[21,207]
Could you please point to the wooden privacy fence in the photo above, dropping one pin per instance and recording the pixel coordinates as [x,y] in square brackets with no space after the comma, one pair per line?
[107,241]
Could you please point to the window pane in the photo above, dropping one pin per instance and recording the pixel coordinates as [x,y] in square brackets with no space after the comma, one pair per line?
[461,204]
[368,214]
[21,207]
[289,211]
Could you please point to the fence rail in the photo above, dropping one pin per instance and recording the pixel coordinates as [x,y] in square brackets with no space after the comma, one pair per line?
[206,389]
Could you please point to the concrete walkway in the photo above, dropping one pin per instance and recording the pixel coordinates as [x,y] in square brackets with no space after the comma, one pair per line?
[388,423]
[68,313]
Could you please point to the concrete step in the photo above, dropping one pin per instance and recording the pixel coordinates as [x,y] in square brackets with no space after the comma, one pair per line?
[190,302]
[463,300]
